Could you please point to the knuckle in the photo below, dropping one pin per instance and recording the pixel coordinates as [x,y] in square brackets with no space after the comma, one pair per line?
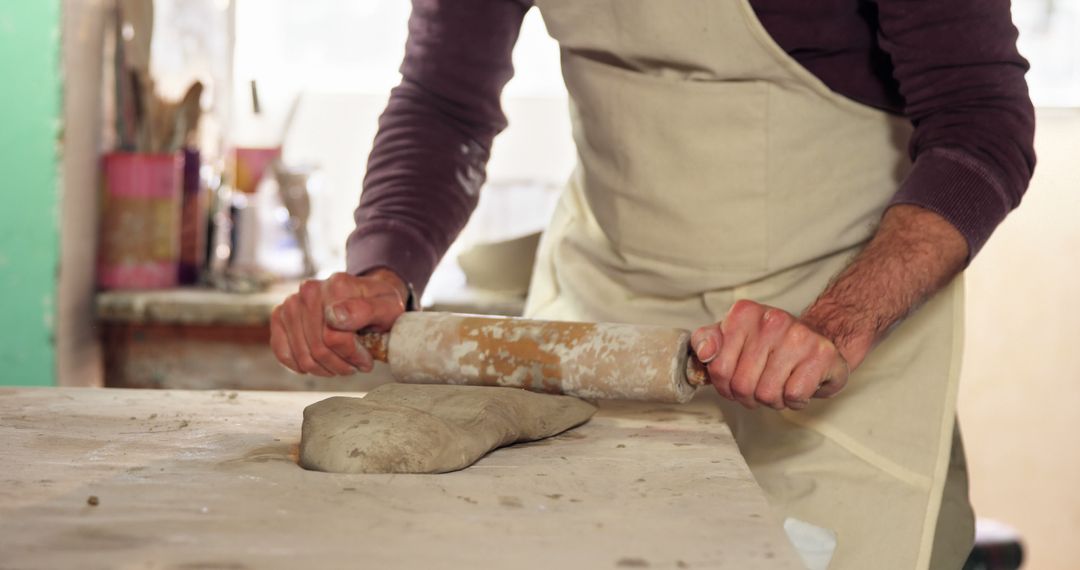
[742,308]
[741,388]
[772,326]
[767,397]
[826,349]
[309,290]
[337,279]
[795,393]
[798,334]
[776,320]
[338,284]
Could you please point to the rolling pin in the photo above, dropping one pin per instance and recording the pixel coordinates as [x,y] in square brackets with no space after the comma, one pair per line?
[588,360]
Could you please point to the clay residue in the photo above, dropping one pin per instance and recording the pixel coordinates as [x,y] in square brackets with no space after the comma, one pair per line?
[588,360]
[509,349]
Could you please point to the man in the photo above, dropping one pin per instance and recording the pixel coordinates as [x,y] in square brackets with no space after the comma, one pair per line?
[809,176]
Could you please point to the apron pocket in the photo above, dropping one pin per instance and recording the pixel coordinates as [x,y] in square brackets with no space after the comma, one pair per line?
[673,169]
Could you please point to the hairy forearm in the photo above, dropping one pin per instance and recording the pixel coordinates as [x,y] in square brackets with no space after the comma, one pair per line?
[913,254]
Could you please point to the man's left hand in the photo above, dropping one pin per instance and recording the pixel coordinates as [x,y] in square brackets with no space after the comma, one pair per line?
[764,355]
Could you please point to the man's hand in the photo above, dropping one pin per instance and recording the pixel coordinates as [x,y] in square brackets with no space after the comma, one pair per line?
[764,355]
[314,330]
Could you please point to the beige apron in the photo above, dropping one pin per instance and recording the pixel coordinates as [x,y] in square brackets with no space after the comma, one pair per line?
[712,167]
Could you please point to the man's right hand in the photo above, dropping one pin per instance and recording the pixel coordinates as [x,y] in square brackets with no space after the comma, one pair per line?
[314,330]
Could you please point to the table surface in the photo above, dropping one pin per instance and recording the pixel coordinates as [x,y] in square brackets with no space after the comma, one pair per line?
[186,479]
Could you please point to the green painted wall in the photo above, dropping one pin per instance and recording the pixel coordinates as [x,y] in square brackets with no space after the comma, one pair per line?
[30,118]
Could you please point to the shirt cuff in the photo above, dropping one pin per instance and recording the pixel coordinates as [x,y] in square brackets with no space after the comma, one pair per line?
[397,247]
[960,189]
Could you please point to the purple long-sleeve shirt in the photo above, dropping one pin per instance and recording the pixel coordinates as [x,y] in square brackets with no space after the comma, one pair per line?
[951,67]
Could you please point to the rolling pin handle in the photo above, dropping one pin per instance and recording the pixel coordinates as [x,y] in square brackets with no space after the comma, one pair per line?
[376,343]
[696,375]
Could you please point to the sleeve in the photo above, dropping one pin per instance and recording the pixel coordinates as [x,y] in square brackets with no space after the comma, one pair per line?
[430,153]
[962,81]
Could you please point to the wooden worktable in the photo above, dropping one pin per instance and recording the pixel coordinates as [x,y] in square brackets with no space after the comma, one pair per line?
[209,480]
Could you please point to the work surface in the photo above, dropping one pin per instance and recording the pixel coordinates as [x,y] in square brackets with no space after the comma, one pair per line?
[209,480]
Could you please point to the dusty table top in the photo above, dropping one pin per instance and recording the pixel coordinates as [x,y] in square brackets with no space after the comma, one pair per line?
[185,479]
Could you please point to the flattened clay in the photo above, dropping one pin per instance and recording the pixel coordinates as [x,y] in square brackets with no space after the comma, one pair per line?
[415,428]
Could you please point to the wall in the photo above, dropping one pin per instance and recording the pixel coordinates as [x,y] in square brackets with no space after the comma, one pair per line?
[1020,388]
[29,249]
[78,358]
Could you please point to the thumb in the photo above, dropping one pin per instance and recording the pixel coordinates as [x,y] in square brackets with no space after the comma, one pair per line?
[356,314]
[835,379]
[706,342]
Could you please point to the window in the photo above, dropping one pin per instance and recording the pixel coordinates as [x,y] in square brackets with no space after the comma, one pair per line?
[344,56]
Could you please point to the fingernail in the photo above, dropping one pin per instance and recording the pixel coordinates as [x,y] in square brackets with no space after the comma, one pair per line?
[365,364]
[705,351]
[796,404]
[339,315]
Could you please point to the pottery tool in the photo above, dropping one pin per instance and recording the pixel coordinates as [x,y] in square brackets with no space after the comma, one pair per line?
[146,122]
[135,29]
[175,123]
[256,107]
[588,360]
[127,54]
[186,124]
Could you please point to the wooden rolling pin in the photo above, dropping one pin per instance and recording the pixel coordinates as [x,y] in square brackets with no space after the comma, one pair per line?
[588,360]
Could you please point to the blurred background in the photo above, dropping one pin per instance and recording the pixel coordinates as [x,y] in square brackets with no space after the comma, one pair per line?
[264,112]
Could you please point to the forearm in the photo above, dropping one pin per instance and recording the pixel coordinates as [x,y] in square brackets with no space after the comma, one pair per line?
[962,80]
[913,254]
[419,190]
[429,157]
